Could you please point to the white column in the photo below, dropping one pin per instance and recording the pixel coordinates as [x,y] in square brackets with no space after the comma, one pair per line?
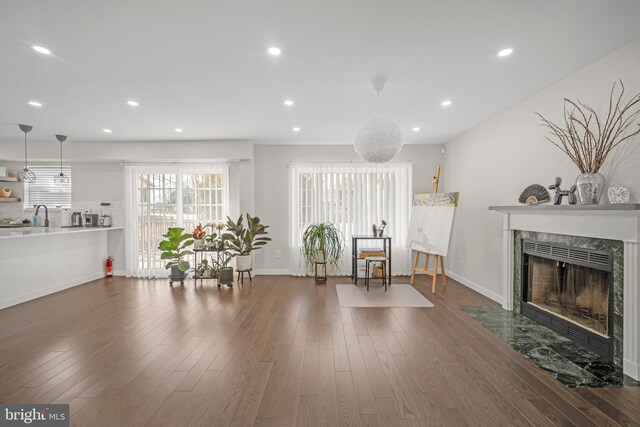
[631,322]
[507,260]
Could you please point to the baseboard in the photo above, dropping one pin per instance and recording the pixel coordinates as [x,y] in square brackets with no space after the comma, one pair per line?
[631,369]
[119,273]
[272,272]
[50,290]
[479,289]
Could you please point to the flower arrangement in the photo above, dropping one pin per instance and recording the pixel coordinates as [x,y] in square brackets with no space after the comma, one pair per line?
[199,232]
[378,229]
[588,139]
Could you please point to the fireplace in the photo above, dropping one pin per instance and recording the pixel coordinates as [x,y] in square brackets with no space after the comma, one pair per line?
[570,290]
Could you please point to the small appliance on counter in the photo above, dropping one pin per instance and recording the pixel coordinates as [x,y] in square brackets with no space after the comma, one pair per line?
[105,214]
[91,220]
[65,220]
[76,219]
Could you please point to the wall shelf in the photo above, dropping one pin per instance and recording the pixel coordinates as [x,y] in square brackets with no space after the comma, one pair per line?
[10,199]
[8,179]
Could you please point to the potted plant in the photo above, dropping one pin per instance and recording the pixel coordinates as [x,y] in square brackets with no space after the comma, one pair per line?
[206,269]
[199,233]
[322,242]
[243,240]
[225,272]
[588,139]
[174,249]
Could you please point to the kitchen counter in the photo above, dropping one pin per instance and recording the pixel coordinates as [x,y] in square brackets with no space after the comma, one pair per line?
[37,261]
[8,233]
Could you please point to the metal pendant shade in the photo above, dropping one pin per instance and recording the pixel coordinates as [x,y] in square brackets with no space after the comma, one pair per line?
[378,140]
[25,174]
[61,179]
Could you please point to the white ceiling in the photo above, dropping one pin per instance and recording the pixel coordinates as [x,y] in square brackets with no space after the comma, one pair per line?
[203,66]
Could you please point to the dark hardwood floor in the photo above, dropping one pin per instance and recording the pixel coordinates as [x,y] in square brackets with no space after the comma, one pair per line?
[279,352]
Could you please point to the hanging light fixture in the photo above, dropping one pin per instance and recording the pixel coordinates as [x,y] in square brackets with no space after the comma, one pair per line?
[61,179]
[25,174]
[379,139]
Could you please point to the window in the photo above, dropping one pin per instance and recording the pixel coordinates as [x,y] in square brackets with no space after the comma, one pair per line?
[353,197]
[169,196]
[44,191]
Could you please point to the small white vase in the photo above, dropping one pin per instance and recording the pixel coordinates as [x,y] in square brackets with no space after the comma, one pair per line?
[198,243]
[243,262]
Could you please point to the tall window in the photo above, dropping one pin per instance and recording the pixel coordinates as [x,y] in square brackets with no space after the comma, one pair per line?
[44,191]
[160,197]
[353,197]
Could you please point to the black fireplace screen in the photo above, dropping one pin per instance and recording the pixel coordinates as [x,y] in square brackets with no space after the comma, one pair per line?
[576,293]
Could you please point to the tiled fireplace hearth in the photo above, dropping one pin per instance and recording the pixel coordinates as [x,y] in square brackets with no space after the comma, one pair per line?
[584,301]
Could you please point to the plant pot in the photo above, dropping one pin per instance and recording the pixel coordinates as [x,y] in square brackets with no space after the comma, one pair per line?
[213,274]
[590,186]
[243,262]
[225,275]
[198,243]
[320,255]
[177,275]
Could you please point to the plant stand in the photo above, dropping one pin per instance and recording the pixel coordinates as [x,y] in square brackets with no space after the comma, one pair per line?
[320,272]
[241,275]
[199,255]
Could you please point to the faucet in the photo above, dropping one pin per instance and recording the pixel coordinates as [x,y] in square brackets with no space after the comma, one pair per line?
[46,214]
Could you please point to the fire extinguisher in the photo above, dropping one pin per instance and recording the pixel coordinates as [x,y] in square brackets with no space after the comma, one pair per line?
[109,267]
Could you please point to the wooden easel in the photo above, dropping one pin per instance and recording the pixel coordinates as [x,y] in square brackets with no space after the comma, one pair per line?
[438,259]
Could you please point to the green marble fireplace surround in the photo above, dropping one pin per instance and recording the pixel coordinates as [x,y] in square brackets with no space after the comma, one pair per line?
[611,228]
[615,247]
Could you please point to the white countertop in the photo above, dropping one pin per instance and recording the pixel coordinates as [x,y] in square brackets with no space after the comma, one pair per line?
[8,233]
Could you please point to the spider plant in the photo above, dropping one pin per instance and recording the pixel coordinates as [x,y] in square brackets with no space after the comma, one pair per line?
[322,238]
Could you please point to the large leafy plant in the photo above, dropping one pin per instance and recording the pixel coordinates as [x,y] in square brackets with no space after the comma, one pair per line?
[242,239]
[325,238]
[175,248]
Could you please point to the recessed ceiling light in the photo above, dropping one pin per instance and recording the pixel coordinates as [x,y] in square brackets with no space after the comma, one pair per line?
[40,49]
[179,130]
[505,52]
[133,103]
[35,104]
[274,51]
[106,130]
[288,102]
[415,129]
[445,103]
[296,129]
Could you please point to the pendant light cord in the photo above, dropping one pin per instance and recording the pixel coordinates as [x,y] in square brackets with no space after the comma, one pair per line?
[61,158]
[378,104]
[25,151]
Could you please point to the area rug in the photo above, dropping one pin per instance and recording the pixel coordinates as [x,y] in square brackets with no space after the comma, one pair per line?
[565,360]
[396,296]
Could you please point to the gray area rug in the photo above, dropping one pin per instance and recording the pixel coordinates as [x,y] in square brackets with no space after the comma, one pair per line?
[396,296]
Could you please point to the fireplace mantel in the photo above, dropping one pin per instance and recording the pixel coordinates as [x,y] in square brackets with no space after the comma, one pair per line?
[614,222]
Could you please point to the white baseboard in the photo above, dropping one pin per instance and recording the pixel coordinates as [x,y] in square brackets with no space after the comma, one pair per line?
[272,272]
[472,285]
[631,369]
[119,273]
[50,290]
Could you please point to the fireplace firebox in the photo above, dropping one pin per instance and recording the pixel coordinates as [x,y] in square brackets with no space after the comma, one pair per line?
[569,290]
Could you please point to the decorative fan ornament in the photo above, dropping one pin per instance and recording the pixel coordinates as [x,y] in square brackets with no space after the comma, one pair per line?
[534,194]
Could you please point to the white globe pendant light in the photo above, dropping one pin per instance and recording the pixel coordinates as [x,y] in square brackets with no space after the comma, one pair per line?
[379,139]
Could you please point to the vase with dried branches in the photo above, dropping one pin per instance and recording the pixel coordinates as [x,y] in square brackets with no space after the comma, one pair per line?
[588,139]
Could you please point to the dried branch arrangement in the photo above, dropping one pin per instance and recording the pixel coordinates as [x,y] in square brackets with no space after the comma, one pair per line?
[587,139]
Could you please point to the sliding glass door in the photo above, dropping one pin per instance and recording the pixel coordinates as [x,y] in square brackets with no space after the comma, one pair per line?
[159,197]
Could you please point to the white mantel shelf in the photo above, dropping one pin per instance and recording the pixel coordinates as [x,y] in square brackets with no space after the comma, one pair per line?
[614,222]
[626,207]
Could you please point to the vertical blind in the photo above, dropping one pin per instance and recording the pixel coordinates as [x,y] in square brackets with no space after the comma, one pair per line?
[353,197]
[44,191]
[162,196]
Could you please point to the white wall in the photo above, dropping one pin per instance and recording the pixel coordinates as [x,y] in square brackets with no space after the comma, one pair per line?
[493,163]
[272,188]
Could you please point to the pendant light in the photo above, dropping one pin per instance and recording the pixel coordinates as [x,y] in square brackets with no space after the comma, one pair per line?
[25,174]
[379,139]
[61,179]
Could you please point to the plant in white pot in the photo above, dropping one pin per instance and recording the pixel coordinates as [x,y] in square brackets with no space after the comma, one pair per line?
[243,240]
[588,139]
